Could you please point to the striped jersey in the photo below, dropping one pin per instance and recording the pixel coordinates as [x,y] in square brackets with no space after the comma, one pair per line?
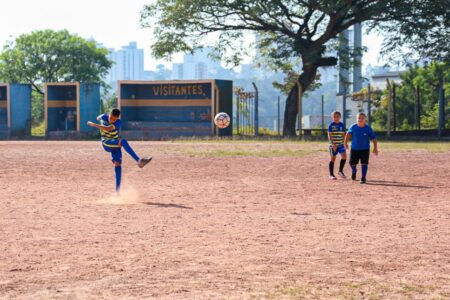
[337,133]
[112,134]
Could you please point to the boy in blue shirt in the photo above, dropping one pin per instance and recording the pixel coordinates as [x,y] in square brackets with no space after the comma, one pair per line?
[361,134]
[336,133]
[109,129]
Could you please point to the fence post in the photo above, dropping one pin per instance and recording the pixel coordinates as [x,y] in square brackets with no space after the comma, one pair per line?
[394,96]
[278,117]
[323,117]
[389,112]
[238,103]
[256,109]
[441,107]
[369,103]
[300,113]
[418,108]
[344,106]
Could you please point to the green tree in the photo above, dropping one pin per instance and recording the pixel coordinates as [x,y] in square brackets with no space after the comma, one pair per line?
[423,32]
[162,73]
[426,79]
[51,56]
[289,31]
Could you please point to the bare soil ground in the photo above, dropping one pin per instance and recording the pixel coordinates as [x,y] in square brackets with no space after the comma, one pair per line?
[218,220]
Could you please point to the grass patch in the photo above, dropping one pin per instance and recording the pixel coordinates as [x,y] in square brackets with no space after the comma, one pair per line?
[434,147]
[38,130]
[232,147]
[352,290]
[281,148]
[286,292]
[249,152]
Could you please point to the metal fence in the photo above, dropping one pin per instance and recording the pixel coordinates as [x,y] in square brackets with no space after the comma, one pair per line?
[247,118]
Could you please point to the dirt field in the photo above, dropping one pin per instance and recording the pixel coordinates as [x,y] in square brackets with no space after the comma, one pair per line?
[217,220]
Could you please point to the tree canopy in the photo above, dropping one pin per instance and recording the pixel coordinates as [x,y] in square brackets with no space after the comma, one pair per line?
[422,32]
[52,56]
[422,82]
[291,32]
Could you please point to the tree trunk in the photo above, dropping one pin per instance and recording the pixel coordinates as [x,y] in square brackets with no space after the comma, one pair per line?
[291,109]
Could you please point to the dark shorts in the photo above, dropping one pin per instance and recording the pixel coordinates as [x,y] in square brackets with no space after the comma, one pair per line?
[113,147]
[359,155]
[339,149]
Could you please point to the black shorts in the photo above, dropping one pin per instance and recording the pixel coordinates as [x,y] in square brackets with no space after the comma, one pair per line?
[359,155]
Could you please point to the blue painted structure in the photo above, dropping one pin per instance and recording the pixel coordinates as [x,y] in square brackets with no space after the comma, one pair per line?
[157,109]
[68,107]
[15,110]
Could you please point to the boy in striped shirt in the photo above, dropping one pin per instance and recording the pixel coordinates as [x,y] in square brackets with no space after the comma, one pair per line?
[113,143]
[336,134]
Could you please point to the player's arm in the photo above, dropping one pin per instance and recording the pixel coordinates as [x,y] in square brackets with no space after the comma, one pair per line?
[375,146]
[346,139]
[373,137]
[101,127]
[99,117]
[331,141]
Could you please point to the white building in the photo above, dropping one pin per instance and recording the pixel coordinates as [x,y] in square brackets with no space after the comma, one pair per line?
[128,64]
[379,80]
[196,66]
[315,122]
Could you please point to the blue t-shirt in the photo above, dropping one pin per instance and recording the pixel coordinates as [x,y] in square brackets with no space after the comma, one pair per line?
[113,134]
[361,136]
[337,132]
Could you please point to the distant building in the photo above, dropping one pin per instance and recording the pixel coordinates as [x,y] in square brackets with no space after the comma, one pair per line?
[128,64]
[198,65]
[379,80]
[149,75]
[315,122]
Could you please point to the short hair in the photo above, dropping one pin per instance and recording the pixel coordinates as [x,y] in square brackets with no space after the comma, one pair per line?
[361,114]
[115,112]
[336,113]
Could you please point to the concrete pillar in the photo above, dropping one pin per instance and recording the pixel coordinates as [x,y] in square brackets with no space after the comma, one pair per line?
[357,72]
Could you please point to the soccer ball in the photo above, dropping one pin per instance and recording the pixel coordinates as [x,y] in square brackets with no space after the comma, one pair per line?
[222,120]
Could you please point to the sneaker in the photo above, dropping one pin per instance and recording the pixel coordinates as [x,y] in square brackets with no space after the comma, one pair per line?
[342,175]
[362,181]
[143,161]
[332,177]
[353,176]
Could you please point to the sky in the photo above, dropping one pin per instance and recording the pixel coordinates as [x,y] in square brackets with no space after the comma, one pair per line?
[113,23]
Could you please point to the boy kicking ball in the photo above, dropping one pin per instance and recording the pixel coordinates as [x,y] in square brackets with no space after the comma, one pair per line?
[109,128]
[336,133]
[361,134]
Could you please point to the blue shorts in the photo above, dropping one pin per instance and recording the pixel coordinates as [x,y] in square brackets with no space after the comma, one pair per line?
[340,149]
[113,147]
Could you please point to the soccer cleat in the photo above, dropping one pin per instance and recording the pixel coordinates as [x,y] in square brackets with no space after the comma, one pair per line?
[332,177]
[143,161]
[362,181]
[342,175]
[353,176]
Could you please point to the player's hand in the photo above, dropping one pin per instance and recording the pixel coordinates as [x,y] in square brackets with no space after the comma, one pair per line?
[375,151]
[334,147]
[89,123]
